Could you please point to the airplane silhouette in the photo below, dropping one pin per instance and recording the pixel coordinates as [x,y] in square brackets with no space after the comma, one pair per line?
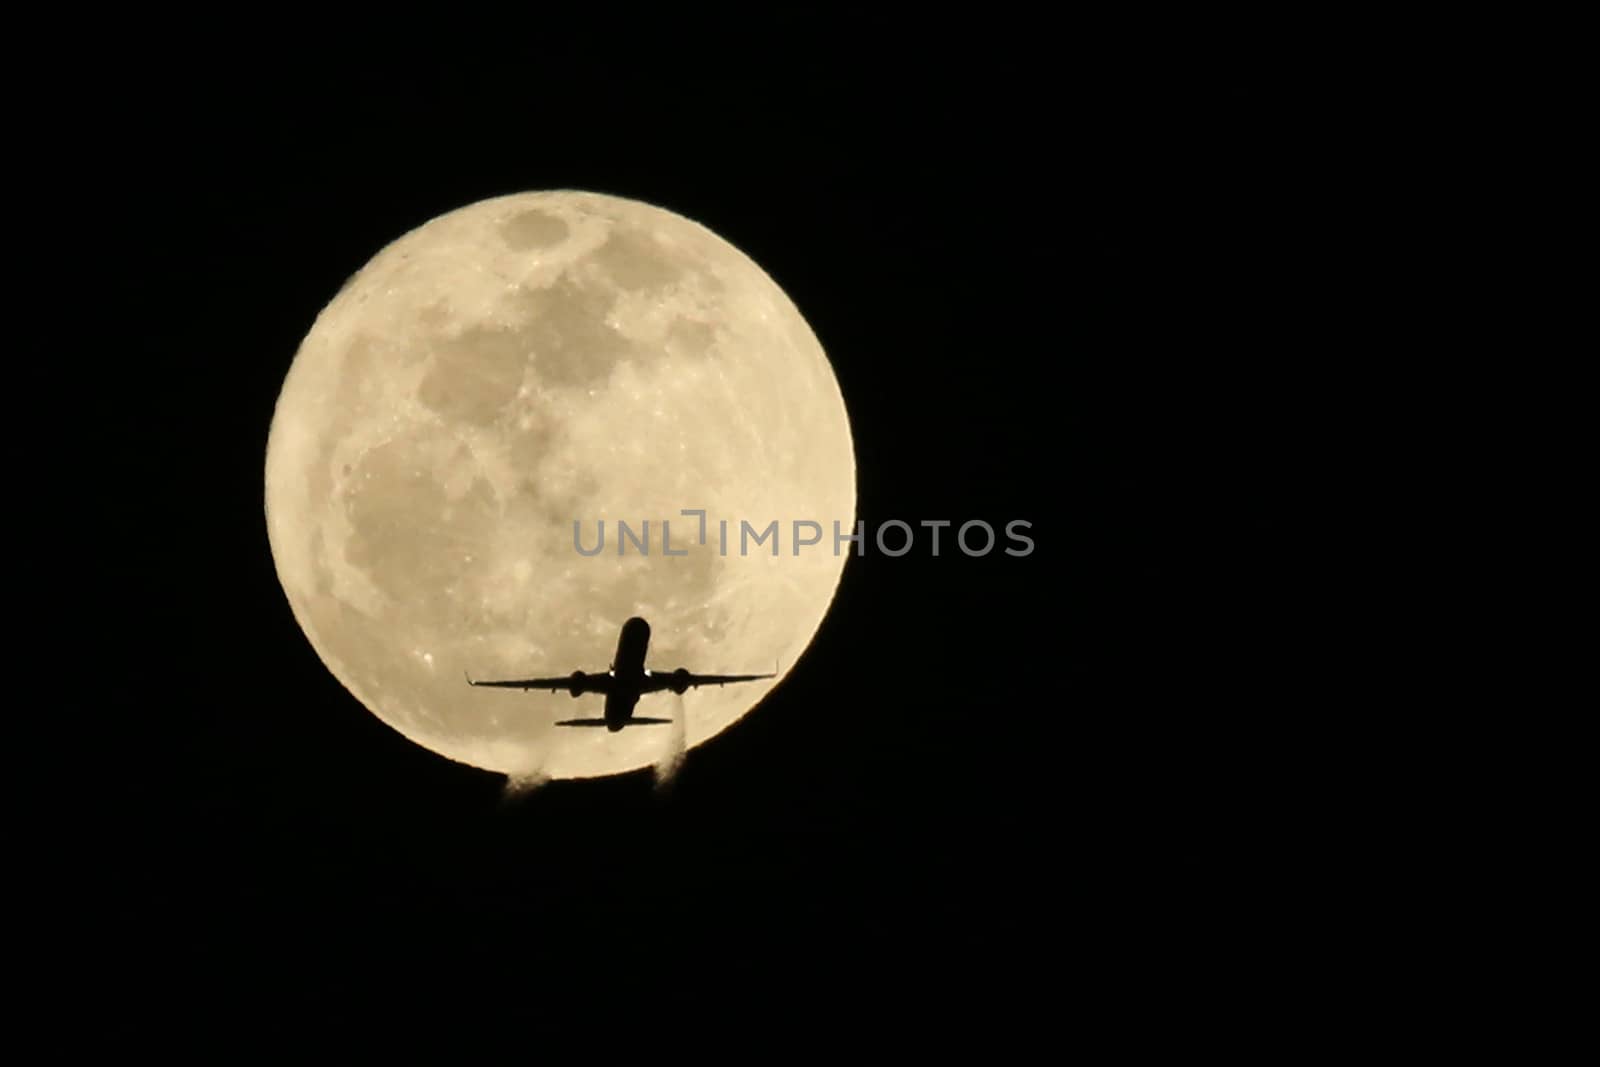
[625,682]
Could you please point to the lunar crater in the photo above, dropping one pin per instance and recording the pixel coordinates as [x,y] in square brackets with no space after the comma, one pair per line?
[531,230]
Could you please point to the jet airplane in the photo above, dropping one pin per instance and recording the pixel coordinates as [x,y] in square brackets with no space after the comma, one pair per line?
[624,682]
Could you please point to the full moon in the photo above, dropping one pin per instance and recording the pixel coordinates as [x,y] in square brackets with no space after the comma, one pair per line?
[503,386]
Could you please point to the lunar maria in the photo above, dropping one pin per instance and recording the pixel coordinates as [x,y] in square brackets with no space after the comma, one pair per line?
[893,538]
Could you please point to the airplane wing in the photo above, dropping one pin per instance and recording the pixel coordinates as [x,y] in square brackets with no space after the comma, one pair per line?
[636,720]
[680,680]
[576,683]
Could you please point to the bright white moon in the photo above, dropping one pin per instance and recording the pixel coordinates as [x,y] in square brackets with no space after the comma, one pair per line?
[511,368]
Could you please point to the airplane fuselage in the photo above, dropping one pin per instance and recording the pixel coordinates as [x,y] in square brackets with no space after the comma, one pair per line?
[627,673]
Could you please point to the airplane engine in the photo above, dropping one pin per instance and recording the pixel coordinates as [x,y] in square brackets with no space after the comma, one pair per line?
[576,688]
[680,680]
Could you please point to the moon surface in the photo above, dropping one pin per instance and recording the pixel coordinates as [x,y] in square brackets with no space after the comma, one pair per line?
[512,368]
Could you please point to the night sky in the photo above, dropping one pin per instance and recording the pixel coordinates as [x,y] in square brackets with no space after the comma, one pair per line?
[1005,784]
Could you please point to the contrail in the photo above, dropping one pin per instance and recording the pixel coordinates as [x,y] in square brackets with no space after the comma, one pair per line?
[521,782]
[520,785]
[672,758]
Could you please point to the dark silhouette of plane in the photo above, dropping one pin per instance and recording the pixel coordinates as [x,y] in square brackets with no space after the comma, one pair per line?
[625,682]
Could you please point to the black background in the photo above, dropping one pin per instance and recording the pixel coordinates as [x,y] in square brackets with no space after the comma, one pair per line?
[1053,288]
